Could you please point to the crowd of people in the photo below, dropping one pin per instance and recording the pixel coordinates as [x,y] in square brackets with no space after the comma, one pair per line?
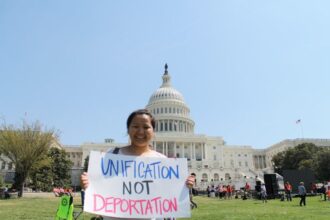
[325,191]
[222,191]
[227,191]
[6,192]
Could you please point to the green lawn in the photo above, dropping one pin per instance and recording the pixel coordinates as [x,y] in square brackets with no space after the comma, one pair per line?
[212,209]
[208,209]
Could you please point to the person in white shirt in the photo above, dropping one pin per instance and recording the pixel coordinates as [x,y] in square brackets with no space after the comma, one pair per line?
[263,193]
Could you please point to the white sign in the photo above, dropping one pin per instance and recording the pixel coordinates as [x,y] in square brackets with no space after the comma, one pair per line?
[137,187]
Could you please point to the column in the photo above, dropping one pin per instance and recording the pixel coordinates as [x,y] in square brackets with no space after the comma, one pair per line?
[163,143]
[166,148]
[203,150]
[222,158]
[174,145]
[255,162]
[194,150]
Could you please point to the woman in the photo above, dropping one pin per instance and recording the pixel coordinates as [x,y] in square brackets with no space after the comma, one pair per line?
[140,127]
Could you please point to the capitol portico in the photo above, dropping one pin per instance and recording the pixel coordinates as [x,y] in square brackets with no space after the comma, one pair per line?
[208,156]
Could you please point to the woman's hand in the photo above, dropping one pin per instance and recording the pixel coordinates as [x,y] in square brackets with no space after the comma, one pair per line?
[190,181]
[84,181]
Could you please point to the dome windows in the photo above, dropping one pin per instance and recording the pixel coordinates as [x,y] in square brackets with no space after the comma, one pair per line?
[171,112]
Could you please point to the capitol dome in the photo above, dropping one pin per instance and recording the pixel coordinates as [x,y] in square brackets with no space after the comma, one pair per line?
[169,109]
[166,93]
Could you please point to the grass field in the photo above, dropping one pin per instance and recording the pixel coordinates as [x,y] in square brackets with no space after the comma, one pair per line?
[208,209]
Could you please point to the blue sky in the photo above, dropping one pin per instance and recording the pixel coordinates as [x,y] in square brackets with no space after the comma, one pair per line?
[247,69]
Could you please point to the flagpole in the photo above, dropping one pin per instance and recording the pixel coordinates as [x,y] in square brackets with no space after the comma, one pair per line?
[302,131]
[301,127]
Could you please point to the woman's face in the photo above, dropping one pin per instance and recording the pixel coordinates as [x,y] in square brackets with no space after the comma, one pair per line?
[140,130]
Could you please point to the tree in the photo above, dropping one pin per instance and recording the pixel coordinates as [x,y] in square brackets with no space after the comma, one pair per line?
[25,146]
[2,182]
[298,157]
[278,162]
[321,165]
[304,156]
[53,170]
[61,167]
[41,175]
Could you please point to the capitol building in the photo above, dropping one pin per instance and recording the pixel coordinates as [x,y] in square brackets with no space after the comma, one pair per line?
[209,157]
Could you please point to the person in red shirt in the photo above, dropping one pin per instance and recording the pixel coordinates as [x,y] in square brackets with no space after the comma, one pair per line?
[288,191]
[247,189]
[225,191]
[313,188]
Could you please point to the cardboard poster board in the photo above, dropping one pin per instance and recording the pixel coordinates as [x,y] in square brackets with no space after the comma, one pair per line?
[137,187]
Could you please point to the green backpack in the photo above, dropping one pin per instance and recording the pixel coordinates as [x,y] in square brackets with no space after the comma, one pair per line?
[65,208]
